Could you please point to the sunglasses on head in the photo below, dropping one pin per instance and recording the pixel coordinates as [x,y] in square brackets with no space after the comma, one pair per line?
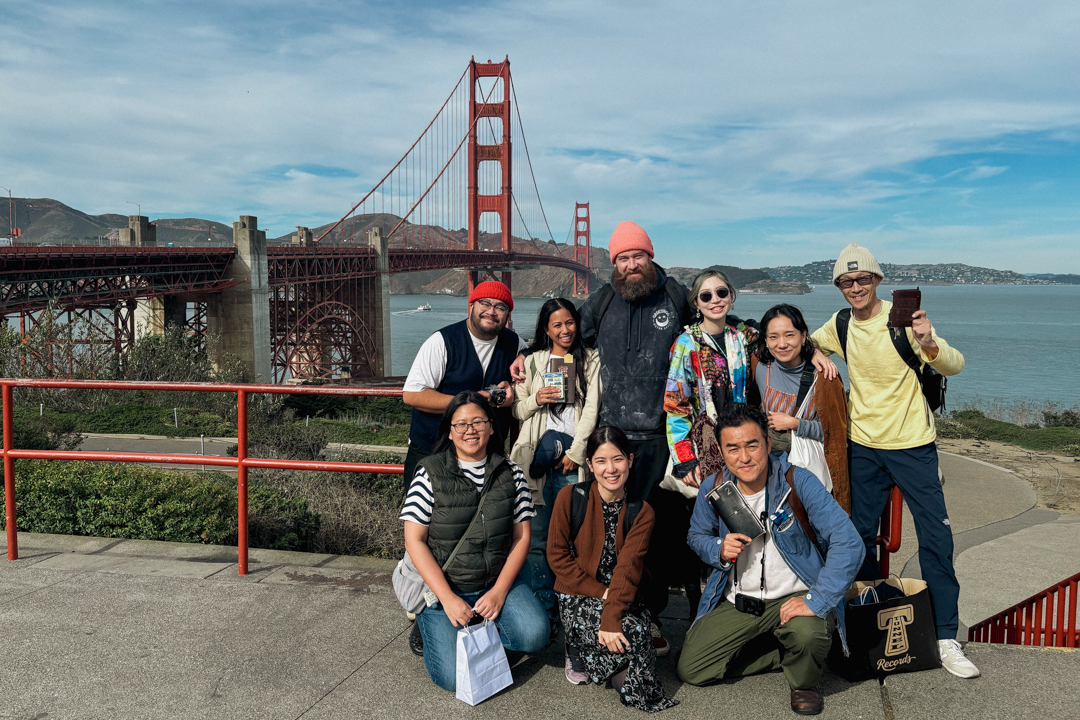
[706,297]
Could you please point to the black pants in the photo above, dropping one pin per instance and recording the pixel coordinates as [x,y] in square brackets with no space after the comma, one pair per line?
[669,561]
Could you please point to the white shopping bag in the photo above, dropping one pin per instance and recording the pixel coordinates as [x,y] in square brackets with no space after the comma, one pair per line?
[482,669]
[809,454]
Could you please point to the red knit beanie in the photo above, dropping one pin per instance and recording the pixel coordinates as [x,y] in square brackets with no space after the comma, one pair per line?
[629,236]
[494,290]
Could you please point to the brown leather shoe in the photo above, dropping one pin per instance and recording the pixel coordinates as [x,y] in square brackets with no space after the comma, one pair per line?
[807,702]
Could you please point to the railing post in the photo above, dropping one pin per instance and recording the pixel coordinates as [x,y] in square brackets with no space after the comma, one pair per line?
[892,518]
[241,482]
[9,475]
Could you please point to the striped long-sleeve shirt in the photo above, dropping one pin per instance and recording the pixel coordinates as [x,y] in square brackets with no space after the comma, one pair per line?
[420,497]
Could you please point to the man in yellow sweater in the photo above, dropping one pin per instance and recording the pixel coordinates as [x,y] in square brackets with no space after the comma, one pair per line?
[892,434]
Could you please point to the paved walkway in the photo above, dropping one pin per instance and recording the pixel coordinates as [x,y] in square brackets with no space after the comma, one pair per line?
[114,629]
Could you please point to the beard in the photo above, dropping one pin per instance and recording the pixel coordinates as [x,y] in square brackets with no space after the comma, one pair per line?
[635,285]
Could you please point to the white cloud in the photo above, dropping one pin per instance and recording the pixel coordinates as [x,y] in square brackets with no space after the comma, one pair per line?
[694,113]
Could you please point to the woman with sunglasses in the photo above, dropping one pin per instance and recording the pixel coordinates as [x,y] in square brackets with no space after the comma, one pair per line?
[467,518]
[551,445]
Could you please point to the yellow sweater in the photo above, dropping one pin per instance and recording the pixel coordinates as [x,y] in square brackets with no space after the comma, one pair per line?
[886,406]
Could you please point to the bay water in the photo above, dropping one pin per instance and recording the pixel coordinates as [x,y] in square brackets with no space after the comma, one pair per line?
[1020,342]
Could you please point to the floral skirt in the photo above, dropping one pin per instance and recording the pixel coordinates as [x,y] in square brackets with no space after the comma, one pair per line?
[581,623]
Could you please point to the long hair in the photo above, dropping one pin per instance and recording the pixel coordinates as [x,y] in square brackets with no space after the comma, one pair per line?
[792,313]
[541,340]
[469,397]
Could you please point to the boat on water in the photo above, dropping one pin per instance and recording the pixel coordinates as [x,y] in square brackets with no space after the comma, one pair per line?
[426,307]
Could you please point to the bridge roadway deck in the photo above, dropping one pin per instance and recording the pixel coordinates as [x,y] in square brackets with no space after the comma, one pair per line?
[111,629]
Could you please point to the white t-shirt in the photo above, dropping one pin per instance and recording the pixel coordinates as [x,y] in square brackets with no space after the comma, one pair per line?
[429,366]
[780,580]
[420,497]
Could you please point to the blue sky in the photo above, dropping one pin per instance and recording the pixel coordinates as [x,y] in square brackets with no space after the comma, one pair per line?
[739,133]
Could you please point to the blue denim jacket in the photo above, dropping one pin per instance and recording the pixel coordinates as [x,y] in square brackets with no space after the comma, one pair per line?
[828,580]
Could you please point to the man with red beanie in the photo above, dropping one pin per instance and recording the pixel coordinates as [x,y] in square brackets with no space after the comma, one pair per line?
[632,322]
[469,355]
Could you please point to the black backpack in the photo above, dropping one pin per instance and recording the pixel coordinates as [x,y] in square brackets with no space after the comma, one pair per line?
[579,507]
[933,383]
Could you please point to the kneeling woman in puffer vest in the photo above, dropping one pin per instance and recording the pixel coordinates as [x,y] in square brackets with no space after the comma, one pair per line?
[468,492]
[597,571]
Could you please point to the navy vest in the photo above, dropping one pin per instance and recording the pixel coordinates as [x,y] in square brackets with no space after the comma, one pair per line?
[464,372]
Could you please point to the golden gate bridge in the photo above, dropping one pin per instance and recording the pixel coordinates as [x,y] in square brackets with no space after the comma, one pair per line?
[463,195]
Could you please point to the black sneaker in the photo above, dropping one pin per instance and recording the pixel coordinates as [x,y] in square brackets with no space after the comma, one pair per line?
[416,641]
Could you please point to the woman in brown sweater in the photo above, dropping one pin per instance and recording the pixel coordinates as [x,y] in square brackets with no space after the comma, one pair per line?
[597,574]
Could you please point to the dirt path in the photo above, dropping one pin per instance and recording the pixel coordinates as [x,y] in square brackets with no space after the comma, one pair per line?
[1055,478]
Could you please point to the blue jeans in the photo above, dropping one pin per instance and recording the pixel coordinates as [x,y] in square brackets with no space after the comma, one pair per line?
[523,626]
[535,572]
[873,473]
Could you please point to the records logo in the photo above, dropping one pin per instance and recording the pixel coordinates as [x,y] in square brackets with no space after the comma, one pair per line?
[661,318]
[895,621]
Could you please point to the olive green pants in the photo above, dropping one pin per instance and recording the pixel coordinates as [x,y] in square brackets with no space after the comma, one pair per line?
[727,644]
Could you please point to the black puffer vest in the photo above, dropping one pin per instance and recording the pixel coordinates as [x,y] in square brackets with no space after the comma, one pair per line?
[483,554]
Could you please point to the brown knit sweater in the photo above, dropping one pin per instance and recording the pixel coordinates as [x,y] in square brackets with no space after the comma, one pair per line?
[577,575]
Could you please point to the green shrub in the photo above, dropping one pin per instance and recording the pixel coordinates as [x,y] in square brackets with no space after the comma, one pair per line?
[52,431]
[974,425]
[137,502]
[1065,418]
[139,419]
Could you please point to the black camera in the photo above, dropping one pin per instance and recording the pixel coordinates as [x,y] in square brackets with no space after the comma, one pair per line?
[749,605]
[498,395]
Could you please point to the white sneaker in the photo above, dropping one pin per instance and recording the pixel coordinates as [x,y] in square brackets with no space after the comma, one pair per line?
[411,616]
[660,644]
[954,660]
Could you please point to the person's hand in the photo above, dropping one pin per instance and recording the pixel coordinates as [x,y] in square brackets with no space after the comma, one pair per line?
[733,545]
[509,394]
[616,642]
[548,395]
[490,604]
[795,607]
[517,369]
[606,591]
[782,421]
[457,610]
[923,332]
[824,365]
[692,478]
[568,465]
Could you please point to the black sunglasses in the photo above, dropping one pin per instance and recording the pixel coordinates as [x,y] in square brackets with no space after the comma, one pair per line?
[863,280]
[706,297]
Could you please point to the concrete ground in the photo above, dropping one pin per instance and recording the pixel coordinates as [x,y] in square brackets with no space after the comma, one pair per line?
[114,629]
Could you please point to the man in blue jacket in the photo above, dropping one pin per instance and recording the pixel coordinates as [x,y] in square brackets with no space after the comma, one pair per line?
[770,602]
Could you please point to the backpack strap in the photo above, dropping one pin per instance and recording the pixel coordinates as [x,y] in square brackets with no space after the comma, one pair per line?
[579,508]
[805,383]
[603,299]
[843,318]
[800,511]
[677,295]
[903,348]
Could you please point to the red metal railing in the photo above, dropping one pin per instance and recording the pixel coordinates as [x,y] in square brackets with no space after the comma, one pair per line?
[1048,618]
[892,518]
[241,462]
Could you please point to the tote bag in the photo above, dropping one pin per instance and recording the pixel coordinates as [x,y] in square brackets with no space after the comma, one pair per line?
[482,668]
[808,453]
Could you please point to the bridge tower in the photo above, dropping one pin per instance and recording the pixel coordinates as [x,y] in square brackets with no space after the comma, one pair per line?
[582,248]
[479,204]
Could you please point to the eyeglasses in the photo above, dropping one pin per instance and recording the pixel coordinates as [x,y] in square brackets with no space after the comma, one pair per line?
[498,307]
[706,297]
[863,280]
[477,426]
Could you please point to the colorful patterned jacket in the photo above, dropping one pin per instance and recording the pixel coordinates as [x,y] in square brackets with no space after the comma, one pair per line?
[696,368]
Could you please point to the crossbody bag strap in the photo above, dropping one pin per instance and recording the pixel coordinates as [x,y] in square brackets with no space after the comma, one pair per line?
[800,511]
[479,507]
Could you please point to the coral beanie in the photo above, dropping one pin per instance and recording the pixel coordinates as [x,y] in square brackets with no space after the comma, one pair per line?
[494,290]
[629,236]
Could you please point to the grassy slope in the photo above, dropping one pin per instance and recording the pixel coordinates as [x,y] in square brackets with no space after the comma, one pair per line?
[973,425]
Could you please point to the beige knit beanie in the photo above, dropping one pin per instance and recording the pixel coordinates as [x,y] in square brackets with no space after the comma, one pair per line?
[854,258]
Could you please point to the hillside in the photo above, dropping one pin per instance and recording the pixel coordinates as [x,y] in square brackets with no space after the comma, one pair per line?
[820,273]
